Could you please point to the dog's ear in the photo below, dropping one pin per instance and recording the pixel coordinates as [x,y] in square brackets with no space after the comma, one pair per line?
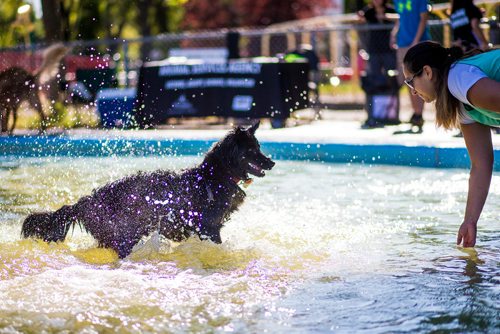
[254,127]
[251,129]
[238,129]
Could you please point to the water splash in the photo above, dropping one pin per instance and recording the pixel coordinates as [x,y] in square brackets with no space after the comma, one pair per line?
[321,244]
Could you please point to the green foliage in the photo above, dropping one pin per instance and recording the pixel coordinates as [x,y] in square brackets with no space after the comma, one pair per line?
[176,14]
[95,19]
[7,16]
[345,88]
[10,34]
[88,22]
[61,116]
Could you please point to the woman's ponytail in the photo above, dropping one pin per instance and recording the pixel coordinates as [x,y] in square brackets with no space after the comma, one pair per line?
[454,53]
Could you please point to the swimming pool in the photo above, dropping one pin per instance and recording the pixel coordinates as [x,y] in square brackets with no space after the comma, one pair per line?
[317,247]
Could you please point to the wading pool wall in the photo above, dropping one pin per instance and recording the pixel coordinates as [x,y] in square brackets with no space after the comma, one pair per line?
[415,156]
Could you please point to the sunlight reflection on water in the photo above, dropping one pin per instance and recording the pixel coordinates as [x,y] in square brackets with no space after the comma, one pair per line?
[316,247]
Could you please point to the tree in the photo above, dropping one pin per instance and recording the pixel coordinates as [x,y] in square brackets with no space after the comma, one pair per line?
[266,12]
[52,20]
[92,19]
[201,14]
[13,30]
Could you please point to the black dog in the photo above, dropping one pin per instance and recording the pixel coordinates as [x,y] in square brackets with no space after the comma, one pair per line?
[195,202]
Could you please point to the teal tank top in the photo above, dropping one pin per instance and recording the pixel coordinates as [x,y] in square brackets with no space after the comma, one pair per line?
[489,63]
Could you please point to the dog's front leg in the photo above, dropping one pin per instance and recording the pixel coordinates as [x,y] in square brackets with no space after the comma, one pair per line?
[211,232]
[4,117]
[14,121]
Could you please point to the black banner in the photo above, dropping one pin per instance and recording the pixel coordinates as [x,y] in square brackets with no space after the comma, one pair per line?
[232,89]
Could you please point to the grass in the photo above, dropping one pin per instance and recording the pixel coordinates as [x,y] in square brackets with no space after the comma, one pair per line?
[344,88]
[66,117]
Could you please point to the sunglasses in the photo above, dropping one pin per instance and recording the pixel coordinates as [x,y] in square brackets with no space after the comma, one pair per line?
[409,82]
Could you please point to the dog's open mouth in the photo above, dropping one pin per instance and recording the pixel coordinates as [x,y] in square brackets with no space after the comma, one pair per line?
[255,170]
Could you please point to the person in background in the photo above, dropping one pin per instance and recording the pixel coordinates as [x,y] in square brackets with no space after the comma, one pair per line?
[381,53]
[307,52]
[410,29]
[382,57]
[464,20]
[466,90]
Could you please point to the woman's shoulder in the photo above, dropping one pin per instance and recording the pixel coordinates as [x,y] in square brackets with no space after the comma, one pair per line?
[490,56]
[461,78]
[461,68]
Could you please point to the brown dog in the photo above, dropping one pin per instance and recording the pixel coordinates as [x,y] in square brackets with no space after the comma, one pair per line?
[18,85]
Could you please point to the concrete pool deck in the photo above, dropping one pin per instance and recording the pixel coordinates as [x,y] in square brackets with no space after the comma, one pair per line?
[335,127]
[322,131]
[337,138]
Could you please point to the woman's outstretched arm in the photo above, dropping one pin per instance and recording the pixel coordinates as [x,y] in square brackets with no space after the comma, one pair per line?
[478,141]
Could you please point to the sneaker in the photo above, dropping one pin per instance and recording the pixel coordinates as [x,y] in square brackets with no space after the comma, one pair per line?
[372,124]
[417,121]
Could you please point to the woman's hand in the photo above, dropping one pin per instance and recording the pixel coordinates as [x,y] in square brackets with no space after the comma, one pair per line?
[467,234]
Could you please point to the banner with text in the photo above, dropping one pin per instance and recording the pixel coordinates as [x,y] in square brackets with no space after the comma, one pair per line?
[233,89]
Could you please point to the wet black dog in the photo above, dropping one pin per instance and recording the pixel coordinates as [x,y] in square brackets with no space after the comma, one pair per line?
[195,202]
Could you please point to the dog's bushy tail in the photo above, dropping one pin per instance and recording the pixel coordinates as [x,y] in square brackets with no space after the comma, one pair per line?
[50,64]
[49,226]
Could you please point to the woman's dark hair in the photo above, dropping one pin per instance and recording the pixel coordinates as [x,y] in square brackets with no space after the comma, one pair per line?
[440,60]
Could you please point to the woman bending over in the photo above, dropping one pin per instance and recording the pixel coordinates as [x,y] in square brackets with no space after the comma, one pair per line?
[466,89]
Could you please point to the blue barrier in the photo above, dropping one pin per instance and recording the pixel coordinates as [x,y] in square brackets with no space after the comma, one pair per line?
[415,156]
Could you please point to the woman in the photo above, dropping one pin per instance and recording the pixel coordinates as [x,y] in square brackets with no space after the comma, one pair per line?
[464,20]
[466,90]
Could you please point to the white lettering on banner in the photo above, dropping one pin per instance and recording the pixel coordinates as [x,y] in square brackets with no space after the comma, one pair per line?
[175,84]
[171,70]
[208,68]
[209,83]
[194,83]
[213,82]
[245,68]
[235,68]
[244,82]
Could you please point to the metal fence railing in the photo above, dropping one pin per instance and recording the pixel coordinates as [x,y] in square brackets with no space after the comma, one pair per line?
[337,47]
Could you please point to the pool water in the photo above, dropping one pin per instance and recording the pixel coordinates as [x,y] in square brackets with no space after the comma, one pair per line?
[315,248]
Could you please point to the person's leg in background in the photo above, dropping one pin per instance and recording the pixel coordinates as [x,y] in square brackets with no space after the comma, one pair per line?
[417,103]
[418,107]
[373,83]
